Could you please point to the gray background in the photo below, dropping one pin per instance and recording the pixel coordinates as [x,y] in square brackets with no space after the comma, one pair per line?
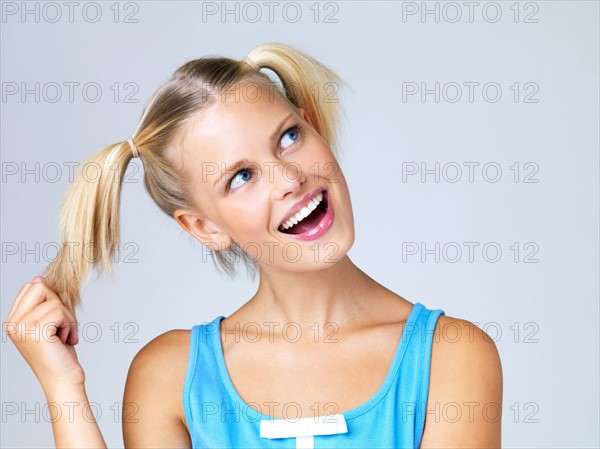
[542,302]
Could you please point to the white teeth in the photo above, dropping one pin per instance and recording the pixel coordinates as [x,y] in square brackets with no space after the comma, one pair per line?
[304,212]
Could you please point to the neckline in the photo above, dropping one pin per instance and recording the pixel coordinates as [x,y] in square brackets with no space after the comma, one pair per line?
[349,414]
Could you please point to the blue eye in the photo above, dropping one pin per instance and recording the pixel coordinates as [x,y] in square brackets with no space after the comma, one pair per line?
[292,133]
[295,134]
[234,177]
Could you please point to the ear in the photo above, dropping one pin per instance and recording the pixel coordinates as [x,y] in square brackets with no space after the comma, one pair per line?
[305,116]
[202,230]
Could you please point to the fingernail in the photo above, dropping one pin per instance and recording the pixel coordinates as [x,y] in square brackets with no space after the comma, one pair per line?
[37,279]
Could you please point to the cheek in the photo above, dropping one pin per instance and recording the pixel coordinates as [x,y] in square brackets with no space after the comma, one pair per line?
[319,152]
[246,217]
[323,165]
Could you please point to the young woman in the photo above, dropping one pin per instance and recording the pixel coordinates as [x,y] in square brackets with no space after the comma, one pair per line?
[322,355]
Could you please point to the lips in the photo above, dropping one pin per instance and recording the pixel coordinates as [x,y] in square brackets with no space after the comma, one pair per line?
[301,204]
[315,225]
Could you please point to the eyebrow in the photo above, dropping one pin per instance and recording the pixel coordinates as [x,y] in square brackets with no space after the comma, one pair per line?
[233,167]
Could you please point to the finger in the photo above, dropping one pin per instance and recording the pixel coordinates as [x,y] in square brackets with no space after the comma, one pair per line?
[63,333]
[68,327]
[53,321]
[20,294]
[34,296]
[73,337]
[38,279]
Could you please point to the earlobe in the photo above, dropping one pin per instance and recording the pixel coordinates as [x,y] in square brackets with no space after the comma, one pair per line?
[202,230]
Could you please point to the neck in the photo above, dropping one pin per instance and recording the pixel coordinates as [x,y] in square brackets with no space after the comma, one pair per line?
[338,294]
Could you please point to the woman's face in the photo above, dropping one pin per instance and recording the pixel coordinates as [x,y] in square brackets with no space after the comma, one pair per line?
[284,160]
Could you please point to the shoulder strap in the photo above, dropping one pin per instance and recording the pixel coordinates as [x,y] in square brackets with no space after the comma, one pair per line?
[200,357]
[428,320]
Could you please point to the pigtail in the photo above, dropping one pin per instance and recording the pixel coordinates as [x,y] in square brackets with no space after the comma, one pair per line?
[308,84]
[89,224]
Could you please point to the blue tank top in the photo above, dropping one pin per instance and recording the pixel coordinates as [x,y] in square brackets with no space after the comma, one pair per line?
[394,417]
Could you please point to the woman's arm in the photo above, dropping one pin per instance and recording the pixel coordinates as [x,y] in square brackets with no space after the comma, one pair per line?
[153,413]
[464,405]
[45,333]
[76,430]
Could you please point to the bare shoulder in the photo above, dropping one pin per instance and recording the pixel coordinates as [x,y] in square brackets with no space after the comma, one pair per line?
[465,387]
[456,340]
[152,403]
[170,346]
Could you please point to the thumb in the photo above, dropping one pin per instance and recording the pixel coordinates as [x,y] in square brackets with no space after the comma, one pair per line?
[38,279]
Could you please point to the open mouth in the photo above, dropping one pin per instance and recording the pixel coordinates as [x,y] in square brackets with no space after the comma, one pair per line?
[305,224]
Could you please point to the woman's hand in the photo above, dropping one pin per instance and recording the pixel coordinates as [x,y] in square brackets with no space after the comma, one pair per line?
[45,332]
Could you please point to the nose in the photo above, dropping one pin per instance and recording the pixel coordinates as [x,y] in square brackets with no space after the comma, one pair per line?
[289,180]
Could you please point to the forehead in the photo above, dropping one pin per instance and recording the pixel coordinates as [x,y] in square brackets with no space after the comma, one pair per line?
[236,120]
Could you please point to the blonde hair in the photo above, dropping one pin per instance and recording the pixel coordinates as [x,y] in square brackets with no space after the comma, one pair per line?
[90,212]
